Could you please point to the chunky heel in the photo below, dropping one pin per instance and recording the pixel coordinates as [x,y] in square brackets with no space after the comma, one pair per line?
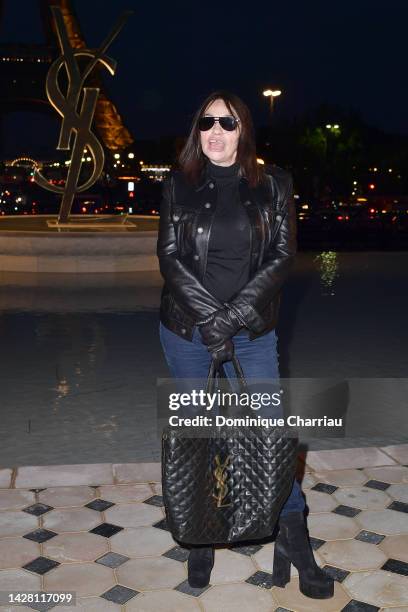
[281,568]
[320,589]
[200,564]
[293,546]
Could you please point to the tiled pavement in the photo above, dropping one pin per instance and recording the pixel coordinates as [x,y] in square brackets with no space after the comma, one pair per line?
[99,530]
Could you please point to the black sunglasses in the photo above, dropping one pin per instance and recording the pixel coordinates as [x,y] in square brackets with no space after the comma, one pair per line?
[227,123]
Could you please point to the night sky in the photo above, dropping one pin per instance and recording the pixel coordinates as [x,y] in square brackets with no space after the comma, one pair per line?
[172,54]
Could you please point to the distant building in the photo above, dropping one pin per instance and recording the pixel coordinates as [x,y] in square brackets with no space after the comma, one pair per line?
[156,172]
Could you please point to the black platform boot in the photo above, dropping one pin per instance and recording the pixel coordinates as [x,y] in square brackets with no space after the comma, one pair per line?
[200,564]
[293,546]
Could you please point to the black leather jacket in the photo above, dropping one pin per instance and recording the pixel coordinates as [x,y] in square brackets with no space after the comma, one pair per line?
[186,215]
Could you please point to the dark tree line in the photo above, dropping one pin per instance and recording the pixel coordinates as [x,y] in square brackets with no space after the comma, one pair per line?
[328,159]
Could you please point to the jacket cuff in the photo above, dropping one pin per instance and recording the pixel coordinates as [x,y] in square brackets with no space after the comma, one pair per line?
[248,316]
[207,320]
[234,312]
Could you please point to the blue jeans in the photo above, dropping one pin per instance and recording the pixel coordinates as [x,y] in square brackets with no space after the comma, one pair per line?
[258,358]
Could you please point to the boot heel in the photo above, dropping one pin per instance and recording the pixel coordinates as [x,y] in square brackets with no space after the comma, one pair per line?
[200,564]
[281,569]
[322,590]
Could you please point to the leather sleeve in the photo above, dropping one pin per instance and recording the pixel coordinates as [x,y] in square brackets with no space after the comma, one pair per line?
[267,282]
[186,289]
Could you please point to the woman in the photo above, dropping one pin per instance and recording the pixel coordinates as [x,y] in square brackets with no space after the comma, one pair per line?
[227,239]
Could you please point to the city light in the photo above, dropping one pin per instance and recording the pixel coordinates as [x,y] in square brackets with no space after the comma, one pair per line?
[272,92]
[131,155]
[18,160]
[116,156]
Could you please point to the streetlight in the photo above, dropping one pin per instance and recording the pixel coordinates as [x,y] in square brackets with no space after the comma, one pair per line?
[272,93]
[330,141]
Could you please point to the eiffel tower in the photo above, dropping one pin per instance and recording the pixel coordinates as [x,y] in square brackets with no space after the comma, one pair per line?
[23,70]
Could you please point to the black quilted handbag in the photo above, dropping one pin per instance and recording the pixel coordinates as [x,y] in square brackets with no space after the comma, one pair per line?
[229,486]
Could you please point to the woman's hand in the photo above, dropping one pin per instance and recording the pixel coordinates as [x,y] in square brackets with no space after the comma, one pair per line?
[220,328]
[217,333]
[223,352]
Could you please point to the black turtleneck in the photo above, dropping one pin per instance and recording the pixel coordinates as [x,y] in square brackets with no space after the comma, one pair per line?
[229,243]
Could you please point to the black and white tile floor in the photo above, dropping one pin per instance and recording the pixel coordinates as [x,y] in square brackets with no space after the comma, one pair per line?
[99,530]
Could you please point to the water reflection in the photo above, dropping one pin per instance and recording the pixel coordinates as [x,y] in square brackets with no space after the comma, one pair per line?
[79,371]
[329,270]
[73,293]
[62,388]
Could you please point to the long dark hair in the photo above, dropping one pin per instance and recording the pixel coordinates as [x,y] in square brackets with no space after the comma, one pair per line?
[192,159]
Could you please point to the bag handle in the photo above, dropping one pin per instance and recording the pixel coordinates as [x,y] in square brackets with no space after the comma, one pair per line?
[219,372]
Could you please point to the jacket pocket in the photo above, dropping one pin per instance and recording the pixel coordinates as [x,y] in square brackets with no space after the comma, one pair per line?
[179,315]
[273,219]
[183,219]
[270,312]
[167,301]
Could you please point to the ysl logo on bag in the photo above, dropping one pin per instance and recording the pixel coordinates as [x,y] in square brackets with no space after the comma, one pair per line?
[220,475]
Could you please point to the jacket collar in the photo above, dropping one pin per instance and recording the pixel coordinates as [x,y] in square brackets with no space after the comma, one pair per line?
[205,179]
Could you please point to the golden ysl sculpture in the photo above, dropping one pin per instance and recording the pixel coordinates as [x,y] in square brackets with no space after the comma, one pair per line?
[76,122]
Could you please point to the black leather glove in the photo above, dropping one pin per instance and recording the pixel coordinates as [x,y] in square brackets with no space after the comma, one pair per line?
[220,328]
[221,353]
